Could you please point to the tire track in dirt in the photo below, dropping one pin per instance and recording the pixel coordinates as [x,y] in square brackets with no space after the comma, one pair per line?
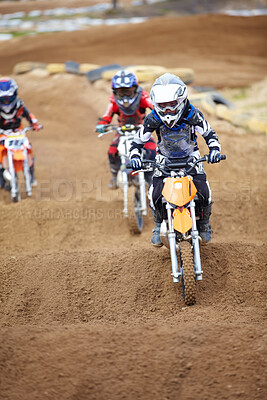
[88,286]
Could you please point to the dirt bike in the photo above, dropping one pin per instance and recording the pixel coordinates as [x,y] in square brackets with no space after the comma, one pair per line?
[179,227]
[16,147]
[133,185]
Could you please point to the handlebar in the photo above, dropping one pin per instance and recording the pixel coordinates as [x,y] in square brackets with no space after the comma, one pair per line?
[175,166]
[8,132]
[109,128]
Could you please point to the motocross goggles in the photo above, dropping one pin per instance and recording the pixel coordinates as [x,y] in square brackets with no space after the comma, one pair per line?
[4,100]
[121,93]
[169,107]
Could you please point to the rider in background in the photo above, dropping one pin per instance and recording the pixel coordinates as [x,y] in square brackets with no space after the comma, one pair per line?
[12,110]
[129,102]
[176,123]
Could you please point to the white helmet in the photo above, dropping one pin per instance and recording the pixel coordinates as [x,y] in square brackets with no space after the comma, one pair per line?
[169,96]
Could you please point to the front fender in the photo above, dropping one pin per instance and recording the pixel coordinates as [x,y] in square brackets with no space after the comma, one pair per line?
[182,221]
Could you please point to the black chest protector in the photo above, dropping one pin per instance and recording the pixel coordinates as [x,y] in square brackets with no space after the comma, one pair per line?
[179,141]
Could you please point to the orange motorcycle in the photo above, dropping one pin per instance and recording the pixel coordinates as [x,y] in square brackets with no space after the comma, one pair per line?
[16,156]
[179,228]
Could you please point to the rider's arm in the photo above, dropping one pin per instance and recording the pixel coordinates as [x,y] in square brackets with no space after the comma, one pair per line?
[31,118]
[26,114]
[145,101]
[204,129]
[144,134]
[112,109]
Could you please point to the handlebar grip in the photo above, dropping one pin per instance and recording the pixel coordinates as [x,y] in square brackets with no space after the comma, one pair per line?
[223,157]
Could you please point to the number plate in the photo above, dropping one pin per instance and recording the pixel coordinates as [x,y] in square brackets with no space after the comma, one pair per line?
[16,143]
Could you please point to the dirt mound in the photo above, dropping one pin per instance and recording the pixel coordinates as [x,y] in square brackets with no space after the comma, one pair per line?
[82,327]
[69,287]
[88,311]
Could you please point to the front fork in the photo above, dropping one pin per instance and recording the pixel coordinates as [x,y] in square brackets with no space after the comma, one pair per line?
[172,244]
[13,182]
[27,174]
[124,186]
[195,242]
[26,169]
[142,187]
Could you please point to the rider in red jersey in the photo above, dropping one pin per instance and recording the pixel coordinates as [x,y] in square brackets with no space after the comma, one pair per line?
[129,102]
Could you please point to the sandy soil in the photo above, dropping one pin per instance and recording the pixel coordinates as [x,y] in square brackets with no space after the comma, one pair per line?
[87,310]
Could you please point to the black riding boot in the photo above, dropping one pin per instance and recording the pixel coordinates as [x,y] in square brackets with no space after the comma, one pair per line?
[113,181]
[156,241]
[114,165]
[2,180]
[203,224]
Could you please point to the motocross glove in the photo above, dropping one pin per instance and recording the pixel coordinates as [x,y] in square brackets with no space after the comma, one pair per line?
[100,128]
[136,163]
[36,126]
[214,156]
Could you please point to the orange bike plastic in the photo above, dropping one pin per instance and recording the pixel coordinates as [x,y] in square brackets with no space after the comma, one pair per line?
[182,221]
[179,191]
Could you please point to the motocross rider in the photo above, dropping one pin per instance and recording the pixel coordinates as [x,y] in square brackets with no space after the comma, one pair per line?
[176,122]
[129,102]
[12,110]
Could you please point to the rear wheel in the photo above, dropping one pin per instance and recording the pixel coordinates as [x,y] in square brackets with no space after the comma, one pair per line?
[188,273]
[135,216]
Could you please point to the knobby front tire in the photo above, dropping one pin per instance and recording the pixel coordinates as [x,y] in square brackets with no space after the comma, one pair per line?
[188,275]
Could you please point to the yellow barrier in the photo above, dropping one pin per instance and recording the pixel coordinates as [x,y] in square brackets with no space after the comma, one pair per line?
[27,66]
[224,112]
[211,102]
[55,68]
[208,105]
[149,73]
[257,125]
[83,68]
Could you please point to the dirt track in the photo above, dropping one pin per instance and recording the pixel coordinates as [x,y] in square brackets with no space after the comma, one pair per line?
[88,311]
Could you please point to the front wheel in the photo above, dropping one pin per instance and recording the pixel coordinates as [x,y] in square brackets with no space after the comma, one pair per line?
[188,273]
[14,192]
[135,216]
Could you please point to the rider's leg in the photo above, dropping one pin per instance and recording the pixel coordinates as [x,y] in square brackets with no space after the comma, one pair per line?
[33,180]
[2,180]
[205,206]
[203,224]
[155,200]
[156,240]
[31,160]
[150,154]
[114,165]
[114,162]
[5,173]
